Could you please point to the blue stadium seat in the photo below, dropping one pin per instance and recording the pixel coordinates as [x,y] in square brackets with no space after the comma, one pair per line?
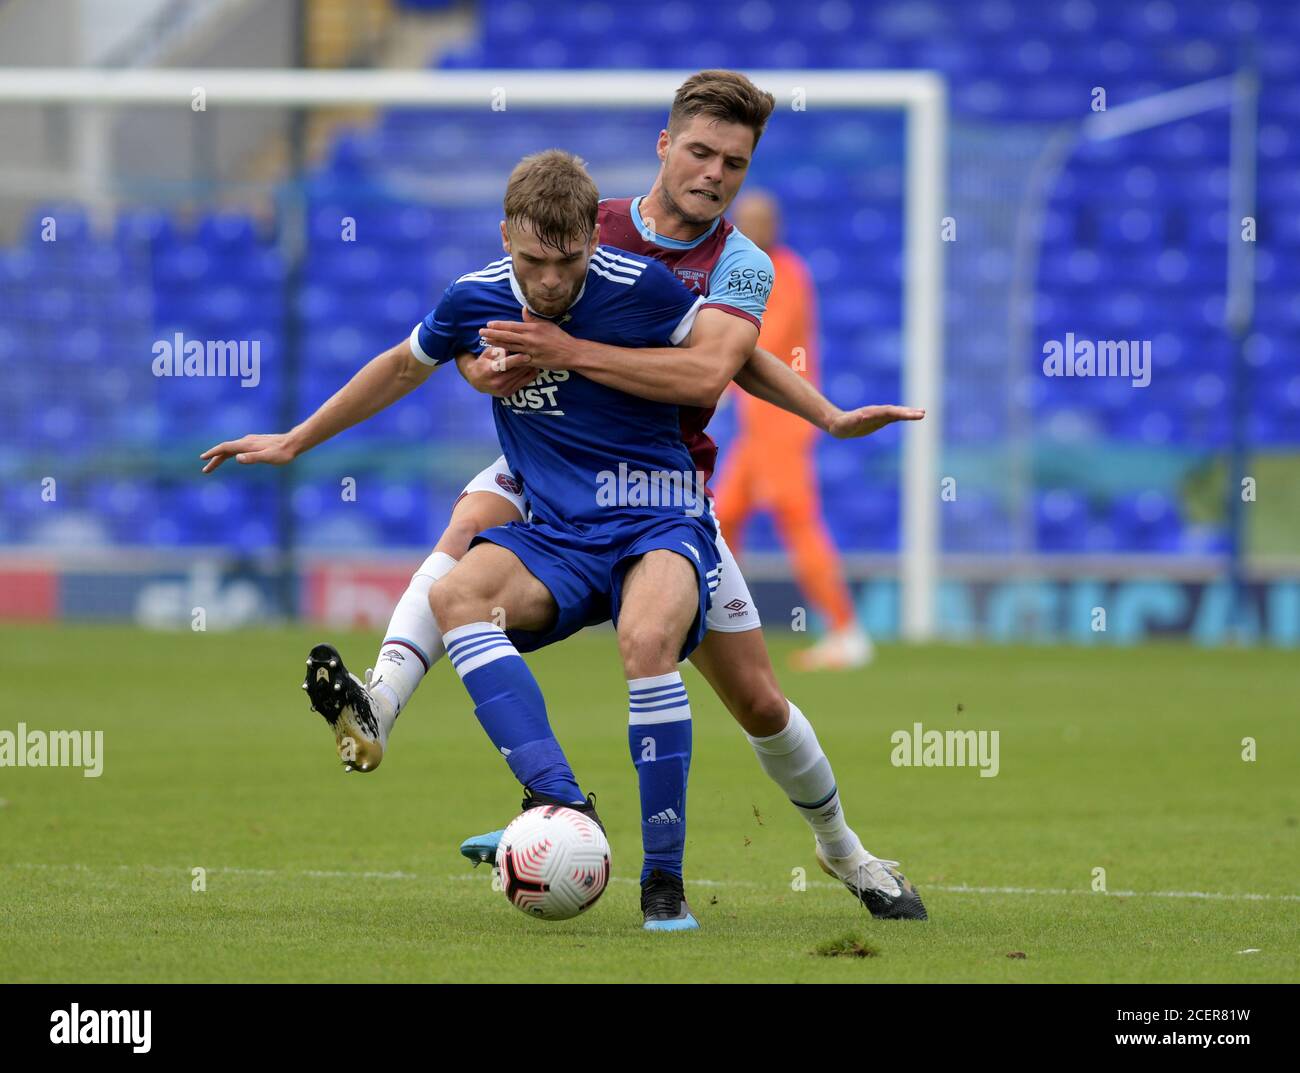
[58,226]
[1061,518]
[975,522]
[1147,521]
[143,228]
[467,57]
[184,264]
[325,520]
[862,514]
[225,231]
[356,152]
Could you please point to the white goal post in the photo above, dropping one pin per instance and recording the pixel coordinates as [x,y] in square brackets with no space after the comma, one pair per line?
[920,95]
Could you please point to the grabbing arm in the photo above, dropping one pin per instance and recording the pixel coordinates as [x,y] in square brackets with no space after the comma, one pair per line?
[689,375]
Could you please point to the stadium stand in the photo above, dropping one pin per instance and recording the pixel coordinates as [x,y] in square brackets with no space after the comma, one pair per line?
[1134,246]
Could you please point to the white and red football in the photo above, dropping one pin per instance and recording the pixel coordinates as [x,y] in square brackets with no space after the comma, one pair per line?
[553,862]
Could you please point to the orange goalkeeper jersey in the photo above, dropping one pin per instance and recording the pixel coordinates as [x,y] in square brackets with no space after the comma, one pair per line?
[790,332]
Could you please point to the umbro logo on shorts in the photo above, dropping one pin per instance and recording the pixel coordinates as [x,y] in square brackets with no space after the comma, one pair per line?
[736,605]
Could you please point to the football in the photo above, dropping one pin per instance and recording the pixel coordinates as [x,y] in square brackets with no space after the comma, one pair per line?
[553,862]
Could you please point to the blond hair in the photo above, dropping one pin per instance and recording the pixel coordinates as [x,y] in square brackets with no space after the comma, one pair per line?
[552,192]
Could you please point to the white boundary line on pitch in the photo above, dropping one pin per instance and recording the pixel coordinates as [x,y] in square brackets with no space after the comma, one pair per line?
[470,876]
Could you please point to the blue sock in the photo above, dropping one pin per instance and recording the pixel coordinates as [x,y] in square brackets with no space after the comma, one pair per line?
[509,705]
[659,735]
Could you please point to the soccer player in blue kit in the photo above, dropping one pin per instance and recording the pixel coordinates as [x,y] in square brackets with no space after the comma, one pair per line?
[586,554]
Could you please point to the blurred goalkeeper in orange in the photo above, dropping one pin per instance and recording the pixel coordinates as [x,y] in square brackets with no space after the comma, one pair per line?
[770,465]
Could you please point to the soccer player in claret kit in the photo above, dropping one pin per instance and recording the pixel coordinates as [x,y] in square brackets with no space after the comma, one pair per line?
[716,120]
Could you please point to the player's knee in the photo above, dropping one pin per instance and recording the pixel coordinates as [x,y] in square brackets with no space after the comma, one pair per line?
[448,601]
[462,528]
[761,709]
[648,648]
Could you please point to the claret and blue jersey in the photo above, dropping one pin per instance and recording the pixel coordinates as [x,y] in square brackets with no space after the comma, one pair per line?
[722,265]
[566,435]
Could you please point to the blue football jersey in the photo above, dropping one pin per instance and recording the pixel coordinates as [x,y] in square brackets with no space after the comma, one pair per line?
[588,455]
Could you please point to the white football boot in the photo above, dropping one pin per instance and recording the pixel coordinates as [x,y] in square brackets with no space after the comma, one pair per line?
[360,719]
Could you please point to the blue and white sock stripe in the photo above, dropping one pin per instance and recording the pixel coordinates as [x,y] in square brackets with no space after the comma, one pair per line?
[660,699]
[657,704]
[656,692]
[476,646]
[464,645]
[471,647]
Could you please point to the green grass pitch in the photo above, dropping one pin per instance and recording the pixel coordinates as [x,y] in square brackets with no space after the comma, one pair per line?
[1126,760]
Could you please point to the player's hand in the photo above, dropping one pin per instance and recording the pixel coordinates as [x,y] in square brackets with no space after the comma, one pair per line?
[865,420]
[272,448]
[548,345]
[494,372]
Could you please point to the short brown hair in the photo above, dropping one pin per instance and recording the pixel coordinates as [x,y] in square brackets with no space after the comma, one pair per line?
[552,192]
[725,95]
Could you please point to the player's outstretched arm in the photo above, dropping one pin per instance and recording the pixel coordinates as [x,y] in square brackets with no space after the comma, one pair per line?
[767,377]
[380,383]
[690,375]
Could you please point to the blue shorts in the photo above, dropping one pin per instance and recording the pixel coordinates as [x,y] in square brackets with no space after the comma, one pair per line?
[584,571]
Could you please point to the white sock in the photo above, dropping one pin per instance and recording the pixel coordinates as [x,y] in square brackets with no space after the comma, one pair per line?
[412,643]
[794,760]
